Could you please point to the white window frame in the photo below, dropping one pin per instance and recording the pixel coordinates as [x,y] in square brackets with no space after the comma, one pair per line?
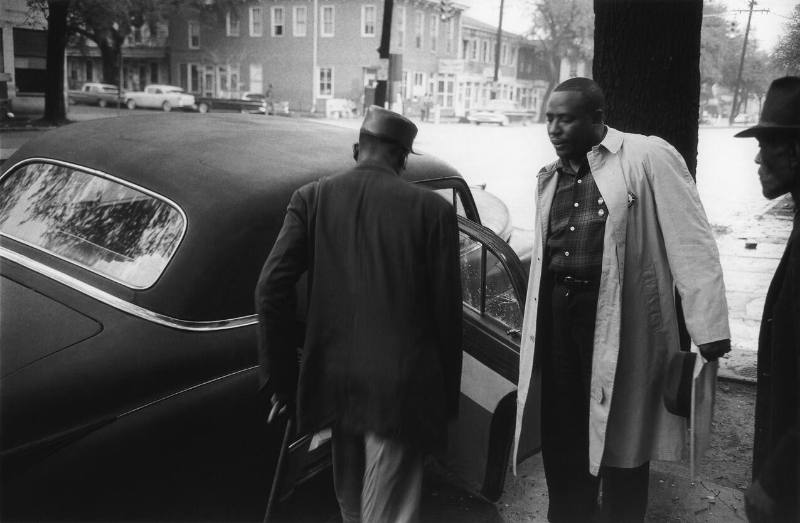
[451,34]
[230,28]
[297,28]
[401,26]
[256,86]
[504,53]
[319,82]
[256,14]
[365,21]
[322,32]
[484,51]
[473,50]
[419,29]
[273,16]
[434,32]
[193,24]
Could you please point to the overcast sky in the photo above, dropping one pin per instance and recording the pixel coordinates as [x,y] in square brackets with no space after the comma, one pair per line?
[765,27]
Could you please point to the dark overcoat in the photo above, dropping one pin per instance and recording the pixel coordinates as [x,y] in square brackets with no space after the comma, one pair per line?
[775,456]
[382,347]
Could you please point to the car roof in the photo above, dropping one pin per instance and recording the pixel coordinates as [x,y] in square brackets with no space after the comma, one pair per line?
[232,175]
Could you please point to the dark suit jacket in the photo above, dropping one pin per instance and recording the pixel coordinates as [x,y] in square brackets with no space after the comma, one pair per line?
[382,349]
[775,456]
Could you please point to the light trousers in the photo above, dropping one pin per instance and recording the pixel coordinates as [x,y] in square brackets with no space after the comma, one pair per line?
[377,480]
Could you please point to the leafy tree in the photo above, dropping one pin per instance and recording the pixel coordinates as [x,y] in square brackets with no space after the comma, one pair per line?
[787,53]
[563,29]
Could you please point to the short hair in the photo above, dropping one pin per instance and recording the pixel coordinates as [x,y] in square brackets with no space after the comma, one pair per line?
[594,99]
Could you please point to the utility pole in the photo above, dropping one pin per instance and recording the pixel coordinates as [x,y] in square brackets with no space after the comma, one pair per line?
[735,105]
[498,43]
[383,90]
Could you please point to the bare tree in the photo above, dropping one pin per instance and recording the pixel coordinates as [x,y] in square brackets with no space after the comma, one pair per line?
[561,29]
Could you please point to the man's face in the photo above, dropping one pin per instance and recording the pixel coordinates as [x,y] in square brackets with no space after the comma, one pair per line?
[779,161]
[570,126]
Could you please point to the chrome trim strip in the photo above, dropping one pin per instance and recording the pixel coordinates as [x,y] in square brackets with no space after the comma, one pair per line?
[125,306]
[120,181]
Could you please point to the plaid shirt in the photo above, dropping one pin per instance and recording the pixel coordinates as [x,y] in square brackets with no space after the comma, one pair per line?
[577,223]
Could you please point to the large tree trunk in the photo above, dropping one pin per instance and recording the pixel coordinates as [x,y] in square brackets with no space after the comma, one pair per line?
[55,109]
[110,57]
[647,59]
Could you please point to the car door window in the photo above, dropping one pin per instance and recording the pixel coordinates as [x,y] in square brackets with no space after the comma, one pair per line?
[452,196]
[486,285]
[119,231]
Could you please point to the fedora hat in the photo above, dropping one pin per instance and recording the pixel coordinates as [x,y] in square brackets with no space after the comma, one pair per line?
[390,126]
[781,109]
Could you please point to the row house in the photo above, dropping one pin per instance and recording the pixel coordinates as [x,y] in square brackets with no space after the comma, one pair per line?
[309,52]
[23,54]
[144,60]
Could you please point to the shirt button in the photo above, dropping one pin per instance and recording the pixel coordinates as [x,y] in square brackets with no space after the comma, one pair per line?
[572,228]
[601,212]
[600,201]
[575,204]
[566,253]
[579,180]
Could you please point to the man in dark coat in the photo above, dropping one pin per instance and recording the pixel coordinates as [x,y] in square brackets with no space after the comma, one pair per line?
[775,494]
[381,360]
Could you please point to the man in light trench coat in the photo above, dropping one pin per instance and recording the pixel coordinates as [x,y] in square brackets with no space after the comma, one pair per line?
[619,226]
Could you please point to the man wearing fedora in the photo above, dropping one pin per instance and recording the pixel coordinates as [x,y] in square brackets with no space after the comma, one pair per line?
[775,494]
[381,360]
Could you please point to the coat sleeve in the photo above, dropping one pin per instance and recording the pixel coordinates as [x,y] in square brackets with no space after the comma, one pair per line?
[275,300]
[443,252]
[690,246]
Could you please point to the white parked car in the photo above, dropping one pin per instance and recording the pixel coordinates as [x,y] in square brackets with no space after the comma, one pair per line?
[157,96]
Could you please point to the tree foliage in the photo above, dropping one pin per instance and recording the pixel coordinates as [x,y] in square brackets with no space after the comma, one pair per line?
[787,53]
[562,29]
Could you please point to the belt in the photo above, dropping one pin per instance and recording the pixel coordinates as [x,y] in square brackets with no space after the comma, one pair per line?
[571,281]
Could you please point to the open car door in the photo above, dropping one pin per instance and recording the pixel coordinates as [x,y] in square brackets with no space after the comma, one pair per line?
[493,285]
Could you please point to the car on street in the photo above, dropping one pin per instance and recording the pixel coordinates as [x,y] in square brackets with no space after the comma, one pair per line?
[246,103]
[158,96]
[502,112]
[129,253]
[93,93]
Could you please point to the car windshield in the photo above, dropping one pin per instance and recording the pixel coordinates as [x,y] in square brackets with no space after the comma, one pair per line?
[112,229]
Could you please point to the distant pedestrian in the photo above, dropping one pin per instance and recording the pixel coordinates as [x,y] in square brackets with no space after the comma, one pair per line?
[775,492]
[427,106]
[268,100]
[619,225]
[381,360]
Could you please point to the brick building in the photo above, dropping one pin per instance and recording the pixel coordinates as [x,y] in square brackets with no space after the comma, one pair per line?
[310,52]
[23,55]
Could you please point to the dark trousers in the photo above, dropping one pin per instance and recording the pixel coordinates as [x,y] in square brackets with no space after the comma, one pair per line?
[566,381]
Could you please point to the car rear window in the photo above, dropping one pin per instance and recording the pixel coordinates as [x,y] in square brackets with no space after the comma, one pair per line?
[122,232]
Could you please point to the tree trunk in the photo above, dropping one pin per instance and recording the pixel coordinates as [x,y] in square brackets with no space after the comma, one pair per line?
[647,60]
[110,57]
[55,109]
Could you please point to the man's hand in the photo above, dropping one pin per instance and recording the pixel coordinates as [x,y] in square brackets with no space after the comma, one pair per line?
[715,349]
[757,503]
[279,405]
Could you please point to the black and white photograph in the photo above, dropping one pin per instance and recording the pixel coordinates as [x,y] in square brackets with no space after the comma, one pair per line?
[400,261]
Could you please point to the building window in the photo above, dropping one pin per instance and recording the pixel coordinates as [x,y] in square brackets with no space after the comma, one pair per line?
[194,35]
[256,78]
[256,22]
[401,26]
[153,73]
[89,71]
[451,34]
[300,20]
[473,50]
[327,20]
[503,54]
[513,58]
[573,68]
[325,82]
[418,88]
[434,32]
[419,27]
[277,21]
[232,23]
[368,20]
[484,51]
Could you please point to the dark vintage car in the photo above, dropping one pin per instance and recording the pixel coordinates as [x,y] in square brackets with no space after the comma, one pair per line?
[130,248]
[93,93]
[247,103]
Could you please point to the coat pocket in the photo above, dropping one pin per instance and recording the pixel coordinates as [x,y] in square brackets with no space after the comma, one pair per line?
[651,298]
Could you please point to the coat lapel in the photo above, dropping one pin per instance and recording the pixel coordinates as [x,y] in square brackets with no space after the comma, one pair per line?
[610,181]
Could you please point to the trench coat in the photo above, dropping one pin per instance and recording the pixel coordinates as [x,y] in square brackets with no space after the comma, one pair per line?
[777,426]
[657,237]
[382,338]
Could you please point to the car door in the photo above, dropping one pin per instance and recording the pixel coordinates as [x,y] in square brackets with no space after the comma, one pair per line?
[493,287]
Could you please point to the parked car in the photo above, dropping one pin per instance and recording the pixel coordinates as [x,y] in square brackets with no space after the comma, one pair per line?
[502,112]
[247,103]
[93,93]
[128,359]
[164,97]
